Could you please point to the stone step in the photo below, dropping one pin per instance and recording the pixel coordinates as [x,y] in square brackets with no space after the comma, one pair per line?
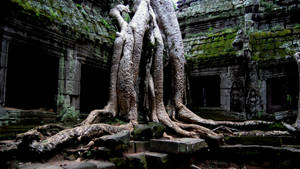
[145,160]
[90,164]
[262,140]
[156,160]
[138,146]
[178,145]
[257,152]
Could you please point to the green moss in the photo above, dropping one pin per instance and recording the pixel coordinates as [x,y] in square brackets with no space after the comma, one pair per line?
[297,26]
[277,126]
[87,23]
[214,46]
[268,5]
[273,44]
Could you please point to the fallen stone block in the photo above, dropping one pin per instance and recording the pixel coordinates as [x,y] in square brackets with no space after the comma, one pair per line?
[156,160]
[177,146]
[119,141]
[148,131]
[137,161]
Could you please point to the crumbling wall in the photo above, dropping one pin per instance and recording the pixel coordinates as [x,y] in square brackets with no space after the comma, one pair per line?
[75,32]
[256,39]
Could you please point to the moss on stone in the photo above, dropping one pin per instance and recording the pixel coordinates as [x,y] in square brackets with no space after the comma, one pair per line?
[79,18]
[272,45]
[277,126]
[215,46]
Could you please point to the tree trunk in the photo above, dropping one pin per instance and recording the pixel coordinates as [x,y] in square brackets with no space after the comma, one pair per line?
[156,20]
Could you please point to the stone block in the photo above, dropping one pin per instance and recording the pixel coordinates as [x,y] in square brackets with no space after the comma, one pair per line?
[86,165]
[117,141]
[141,146]
[72,88]
[177,146]
[156,160]
[105,165]
[105,153]
[131,148]
[137,161]
[119,162]
[149,131]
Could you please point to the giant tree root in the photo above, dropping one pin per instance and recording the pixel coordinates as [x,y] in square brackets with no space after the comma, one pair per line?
[185,114]
[44,146]
[155,20]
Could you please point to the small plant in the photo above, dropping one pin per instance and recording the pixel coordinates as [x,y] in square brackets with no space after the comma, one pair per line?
[268,5]
[210,29]
[260,113]
[289,99]
[87,28]
[69,113]
[297,26]
[78,6]
[127,17]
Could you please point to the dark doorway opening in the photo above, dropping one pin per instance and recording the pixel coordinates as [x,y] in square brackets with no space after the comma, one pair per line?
[282,93]
[94,88]
[205,91]
[32,78]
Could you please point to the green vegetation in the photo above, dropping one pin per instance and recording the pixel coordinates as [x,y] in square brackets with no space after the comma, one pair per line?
[68,113]
[82,21]
[276,126]
[115,121]
[274,44]
[216,46]
[297,26]
[268,5]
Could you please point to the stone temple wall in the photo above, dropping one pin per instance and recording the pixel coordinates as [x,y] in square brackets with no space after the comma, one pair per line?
[238,52]
[250,45]
[44,46]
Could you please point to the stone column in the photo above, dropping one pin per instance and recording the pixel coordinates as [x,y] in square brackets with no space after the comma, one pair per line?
[225,85]
[69,81]
[3,68]
[251,9]
[297,123]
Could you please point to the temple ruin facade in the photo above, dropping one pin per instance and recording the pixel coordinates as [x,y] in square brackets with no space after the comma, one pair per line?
[55,56]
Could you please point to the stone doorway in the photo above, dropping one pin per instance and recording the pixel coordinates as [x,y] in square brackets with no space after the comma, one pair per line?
[282,93]
[94,88]
[205,91]
[32,78]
